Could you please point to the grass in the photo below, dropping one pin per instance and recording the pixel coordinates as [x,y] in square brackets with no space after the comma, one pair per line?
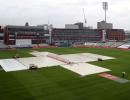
[57,83]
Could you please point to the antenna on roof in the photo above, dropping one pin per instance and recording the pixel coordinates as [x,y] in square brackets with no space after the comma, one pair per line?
[85,19]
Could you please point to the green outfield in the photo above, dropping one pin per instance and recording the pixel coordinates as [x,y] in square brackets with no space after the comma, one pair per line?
[57,83]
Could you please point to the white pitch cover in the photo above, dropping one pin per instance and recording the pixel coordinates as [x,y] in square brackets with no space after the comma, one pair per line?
[78,64]
[85,68]
[12,65]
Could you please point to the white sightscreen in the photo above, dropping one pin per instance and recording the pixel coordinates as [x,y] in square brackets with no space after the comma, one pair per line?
[23,42]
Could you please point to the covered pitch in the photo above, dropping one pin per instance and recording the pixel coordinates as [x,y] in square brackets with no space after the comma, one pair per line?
[40,61]
[12,65]
[84,57]
[85,68]
[74,62]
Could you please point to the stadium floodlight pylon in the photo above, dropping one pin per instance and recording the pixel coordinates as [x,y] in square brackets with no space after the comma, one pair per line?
[85,19]
[105,8]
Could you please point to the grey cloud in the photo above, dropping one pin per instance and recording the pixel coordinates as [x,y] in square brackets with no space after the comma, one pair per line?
[60,12]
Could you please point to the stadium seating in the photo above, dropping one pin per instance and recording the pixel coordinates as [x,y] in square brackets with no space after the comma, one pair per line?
[108,44]
[125,46]
[100,44]
[117,44]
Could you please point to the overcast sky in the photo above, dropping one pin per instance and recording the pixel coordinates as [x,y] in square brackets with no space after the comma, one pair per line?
[60,12]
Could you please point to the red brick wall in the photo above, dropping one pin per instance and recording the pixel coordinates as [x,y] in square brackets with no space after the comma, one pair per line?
[116,34]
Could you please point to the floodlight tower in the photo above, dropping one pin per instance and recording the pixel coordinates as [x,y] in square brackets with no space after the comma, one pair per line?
[85,19]
[105,8]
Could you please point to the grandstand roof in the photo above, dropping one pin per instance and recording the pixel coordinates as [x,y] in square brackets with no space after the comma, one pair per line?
[24,27]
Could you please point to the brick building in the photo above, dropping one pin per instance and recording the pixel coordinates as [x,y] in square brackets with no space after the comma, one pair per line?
[24,35]
[28,35]
[115,34]
[76,35]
